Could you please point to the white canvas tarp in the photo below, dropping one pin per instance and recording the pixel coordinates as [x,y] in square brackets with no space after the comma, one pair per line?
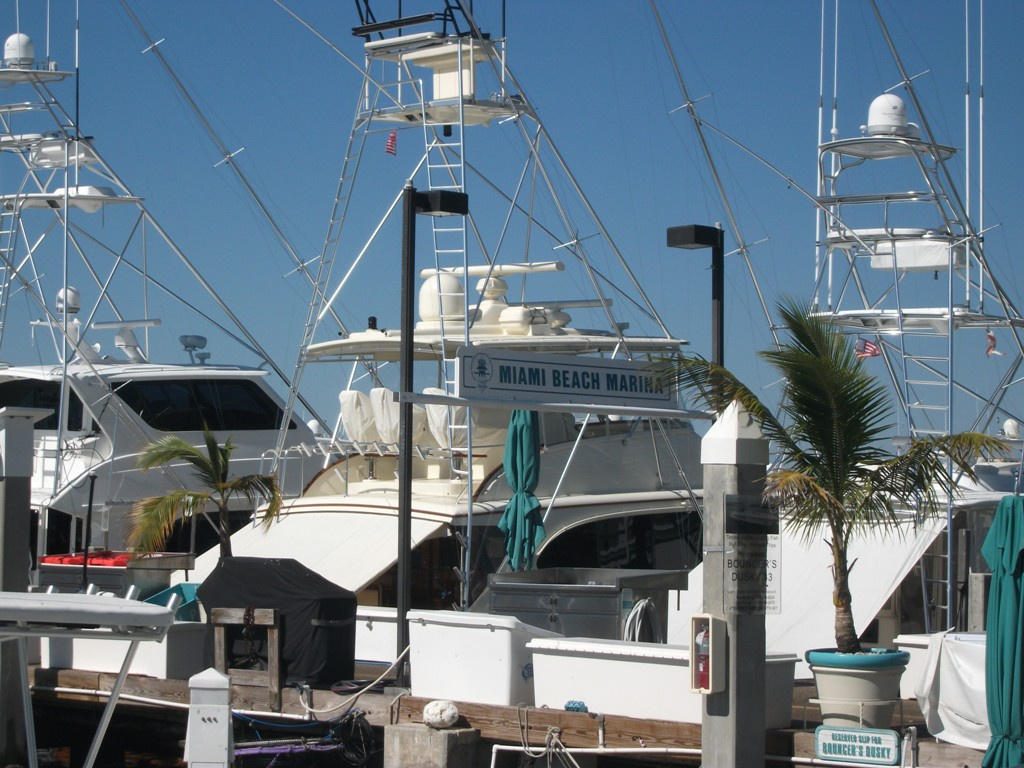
[349,549]
[806,620]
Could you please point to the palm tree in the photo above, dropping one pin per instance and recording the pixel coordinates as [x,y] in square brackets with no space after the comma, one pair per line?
[832,474]
[152,519]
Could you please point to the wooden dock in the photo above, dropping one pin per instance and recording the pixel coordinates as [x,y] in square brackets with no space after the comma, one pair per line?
[145,699]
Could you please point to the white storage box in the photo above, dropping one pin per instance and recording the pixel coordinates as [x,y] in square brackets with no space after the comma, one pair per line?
[475,657]
[917,647]
[376,634]
[643,680]
[181,654]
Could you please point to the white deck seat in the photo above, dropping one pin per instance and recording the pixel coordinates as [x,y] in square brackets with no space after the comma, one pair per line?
[387,418]
[490,425]
[557,427]
[357,416]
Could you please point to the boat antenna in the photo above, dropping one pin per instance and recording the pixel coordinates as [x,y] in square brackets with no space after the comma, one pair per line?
[971,234]
[981,120]
[967,106]
[698,124]
[923,117]
[78,130]
[833,131]
[228,159]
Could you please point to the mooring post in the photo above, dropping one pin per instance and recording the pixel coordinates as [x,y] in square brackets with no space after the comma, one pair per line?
[735,458]
[209,737]
[15,562]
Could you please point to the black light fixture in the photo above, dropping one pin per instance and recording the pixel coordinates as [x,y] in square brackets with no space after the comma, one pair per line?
[692,236]
[434,202]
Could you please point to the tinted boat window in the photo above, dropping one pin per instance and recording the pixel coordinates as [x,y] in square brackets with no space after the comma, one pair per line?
[186,405]
[668,540]
[41,394]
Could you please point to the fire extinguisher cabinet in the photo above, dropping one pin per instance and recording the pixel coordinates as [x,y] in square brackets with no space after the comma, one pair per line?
[707,653]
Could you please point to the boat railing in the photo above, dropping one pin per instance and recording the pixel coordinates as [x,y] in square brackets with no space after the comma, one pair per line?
[292,461]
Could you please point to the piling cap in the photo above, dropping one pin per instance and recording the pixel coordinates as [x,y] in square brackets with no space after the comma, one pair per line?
[210,680]
[734,439]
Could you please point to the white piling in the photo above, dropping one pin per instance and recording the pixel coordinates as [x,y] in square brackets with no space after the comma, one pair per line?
[209,742]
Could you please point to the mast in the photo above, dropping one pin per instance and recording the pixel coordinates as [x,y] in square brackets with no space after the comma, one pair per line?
[741,246]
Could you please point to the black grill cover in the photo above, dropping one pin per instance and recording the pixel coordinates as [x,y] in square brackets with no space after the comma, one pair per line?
[316,616]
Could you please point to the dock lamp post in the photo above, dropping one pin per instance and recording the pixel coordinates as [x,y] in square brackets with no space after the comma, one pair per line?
[692,236]
[434,202]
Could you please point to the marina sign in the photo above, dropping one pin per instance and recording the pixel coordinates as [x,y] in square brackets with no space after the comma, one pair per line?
[868,746]
[753,565]
[496,374]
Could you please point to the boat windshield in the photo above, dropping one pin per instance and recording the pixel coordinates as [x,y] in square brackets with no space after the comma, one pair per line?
[187,405]
[661,541]
[33,393]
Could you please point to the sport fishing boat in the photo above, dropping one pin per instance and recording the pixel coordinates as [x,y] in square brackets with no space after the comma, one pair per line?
[900,266]
[67,220]
[618,462]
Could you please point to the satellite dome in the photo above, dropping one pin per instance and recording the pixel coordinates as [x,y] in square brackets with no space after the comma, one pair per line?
[68,301]
[19,51]
[442,296]
[887,116]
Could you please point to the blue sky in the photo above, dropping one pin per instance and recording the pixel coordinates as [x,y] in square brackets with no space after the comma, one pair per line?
[599,76]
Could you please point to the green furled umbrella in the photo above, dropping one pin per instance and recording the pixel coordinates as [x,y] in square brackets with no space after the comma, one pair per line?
[521,522]
[1004,629]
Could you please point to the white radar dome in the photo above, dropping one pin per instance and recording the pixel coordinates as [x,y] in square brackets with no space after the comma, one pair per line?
[19,51]
[442,294]
[492,288]
[192,341]
[68,301]
[887,116]
[1011,428]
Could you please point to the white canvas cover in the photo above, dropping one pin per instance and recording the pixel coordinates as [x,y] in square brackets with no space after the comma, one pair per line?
[387,417]
[951,689]
[357,416]
[489,424]
[349,549]
[880,563]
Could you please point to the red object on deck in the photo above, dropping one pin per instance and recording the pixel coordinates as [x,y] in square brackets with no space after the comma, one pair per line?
[106,557]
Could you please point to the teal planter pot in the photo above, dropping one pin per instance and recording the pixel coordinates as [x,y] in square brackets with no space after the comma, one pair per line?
[873,658]
[858,690]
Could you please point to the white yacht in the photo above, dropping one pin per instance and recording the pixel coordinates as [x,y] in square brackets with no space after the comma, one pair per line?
[522,302]
[899,264]
[85,272]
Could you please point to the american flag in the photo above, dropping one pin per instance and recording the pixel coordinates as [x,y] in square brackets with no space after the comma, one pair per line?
[866,348]
[391,144]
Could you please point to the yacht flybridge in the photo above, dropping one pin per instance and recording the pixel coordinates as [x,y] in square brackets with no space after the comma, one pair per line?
[87,271]
[524,290]
[494,322]
[915,279]
[906,273]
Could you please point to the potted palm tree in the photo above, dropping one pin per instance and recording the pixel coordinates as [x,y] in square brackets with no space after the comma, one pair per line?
[833,476]
[152,519]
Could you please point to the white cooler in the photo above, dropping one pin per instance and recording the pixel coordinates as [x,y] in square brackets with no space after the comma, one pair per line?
[644,680]
[376,634]
[917,647]
[474,657]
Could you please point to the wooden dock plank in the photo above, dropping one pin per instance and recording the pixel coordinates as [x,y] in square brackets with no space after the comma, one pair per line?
[500,724]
